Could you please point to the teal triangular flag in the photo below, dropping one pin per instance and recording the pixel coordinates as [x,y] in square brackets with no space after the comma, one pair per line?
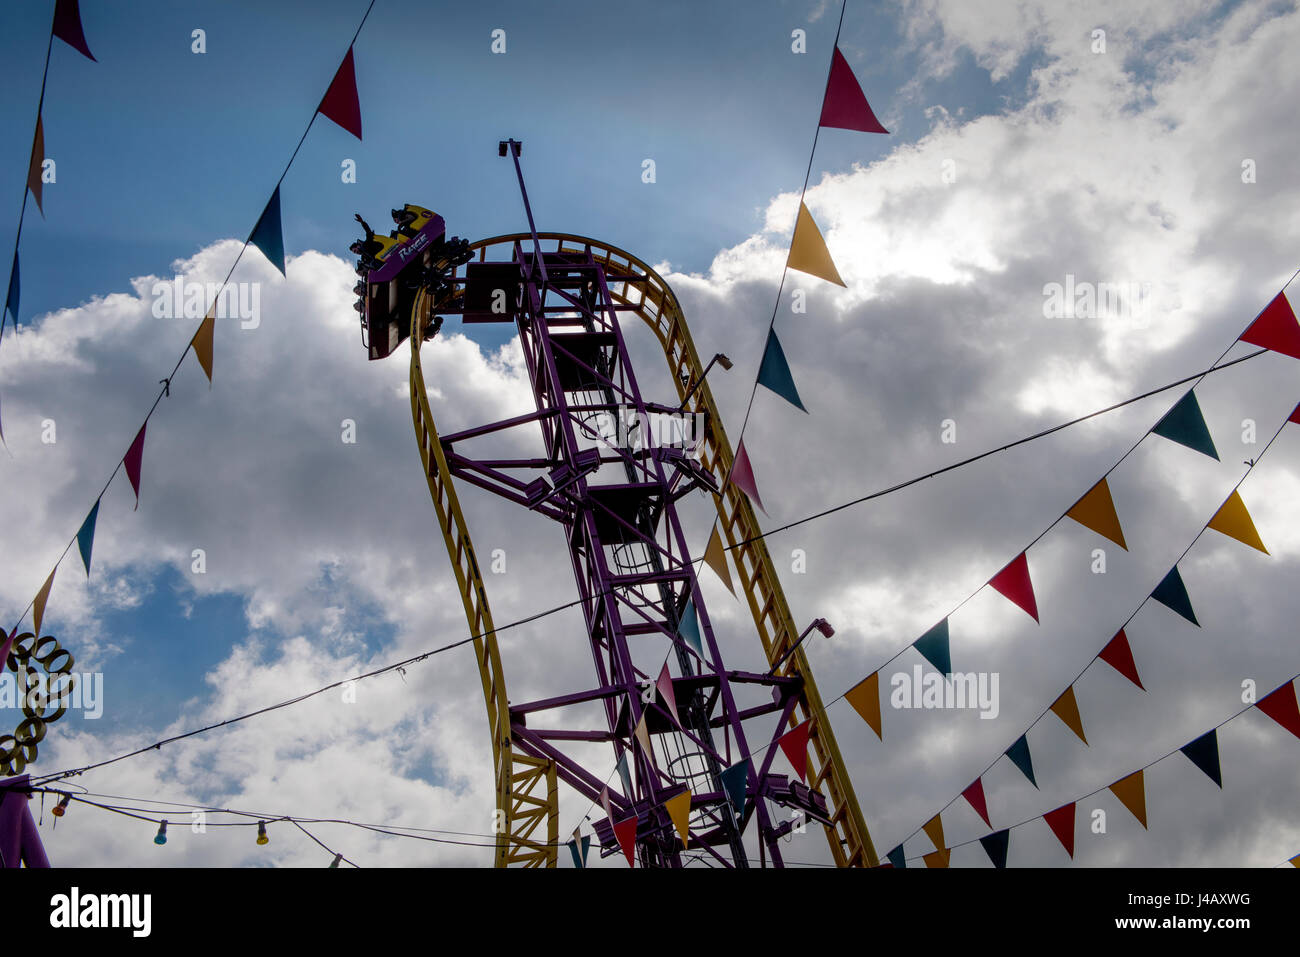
[689,628]
[774,372]
[898,858]
[934,645]
[1019,755]
[626,777]
[1185,425]
[1204,753]
[86,537]
[267,234]
[1173,594]
[11,300]
[995,846]
[579,860]
[734,780]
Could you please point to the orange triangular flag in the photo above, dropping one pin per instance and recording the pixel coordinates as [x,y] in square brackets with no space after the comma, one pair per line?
[934,830]
[679,812]
[38,160]
[642,734]
[38,605]
[1295,861]
[865,698]
[1067,709]
[715,556]
[1132,794]
[808,252]
[938,858]
[202,344]
[1233,520]
[1096,511]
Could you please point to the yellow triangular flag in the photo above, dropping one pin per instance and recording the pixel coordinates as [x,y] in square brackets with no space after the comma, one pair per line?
[1295,861]
[202,343]
[938,858]
[934,831]
[1067,709]
[38,606]
[679,812]
[642,734]
[1096,511]
[808,252]
[715,556]
[1132,794]
[1234,521]
[865,698]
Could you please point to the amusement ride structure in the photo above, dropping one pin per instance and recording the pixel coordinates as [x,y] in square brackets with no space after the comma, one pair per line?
[689,735]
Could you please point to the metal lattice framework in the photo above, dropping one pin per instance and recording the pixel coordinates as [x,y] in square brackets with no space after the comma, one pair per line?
[567,295]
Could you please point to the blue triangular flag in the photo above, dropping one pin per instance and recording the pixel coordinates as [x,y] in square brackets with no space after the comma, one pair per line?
[1185,425]
[267,234]
[1173,594]
[898,858]
[774,371]
[11,300]
[626,777]
[689,628]
[995,846]
[1019,755]
[579,860]
[86,536]
[934,645]
[733,781]
[1204,753]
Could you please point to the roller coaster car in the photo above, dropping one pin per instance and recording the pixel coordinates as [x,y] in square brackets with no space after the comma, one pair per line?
[394,268]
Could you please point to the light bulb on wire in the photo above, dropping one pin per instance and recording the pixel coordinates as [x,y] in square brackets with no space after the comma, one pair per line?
[161,836]
[261,833]
[61,808]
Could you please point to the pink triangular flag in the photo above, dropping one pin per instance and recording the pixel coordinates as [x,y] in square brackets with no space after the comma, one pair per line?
[974,795]
[132,460]
[1013,582]
[742,476]
[845,106]
[664,685]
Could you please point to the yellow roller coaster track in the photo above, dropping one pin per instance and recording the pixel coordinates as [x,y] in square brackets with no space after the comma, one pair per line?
[526,787]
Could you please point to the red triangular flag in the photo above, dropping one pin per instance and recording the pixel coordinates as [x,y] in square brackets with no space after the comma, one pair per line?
[1061,821]
[1119,655]
[340,102]
[742,476]
[134,456]
[1276,328]
[1013,582]
[975,797]
[67,26]
[625,831]
[1282,707]
[1295,415]
[845,106]
[794,744]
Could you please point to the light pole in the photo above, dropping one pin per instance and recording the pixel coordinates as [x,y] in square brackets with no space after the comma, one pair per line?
[717,357]
[821,624]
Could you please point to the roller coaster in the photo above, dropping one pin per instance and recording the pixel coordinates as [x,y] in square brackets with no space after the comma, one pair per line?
[698,735]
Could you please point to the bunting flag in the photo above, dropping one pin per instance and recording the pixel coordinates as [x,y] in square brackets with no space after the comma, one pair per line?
[1131,792]
[133,460]
[1233,520]
[898,858]
[15,287]
[202,343]
[642,734]
[86,536]
[774,372]
[1204,753]
[1096,512]
[934,831]
[679,812]
[974,796]
[794,744]
[733,781]
[939,858]
[38,604]
[934,645]
[579,857]
[607,804]
[1295,861]
[1185,425]
[1282,707]
[267,234]
[715,556]
[7,644]
[845,106]
[1172,593]
[1067,709]
[1295,415]
[1276,328]
[625,776]
[1019,755]
[1013,582]
[1119,655]
[995,846]
[625,831]
[664,685]
[67,26]
[1061,821]
[688,627]
[808,252]
[34,167]
[340,102]
[742,476]
[865,698]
